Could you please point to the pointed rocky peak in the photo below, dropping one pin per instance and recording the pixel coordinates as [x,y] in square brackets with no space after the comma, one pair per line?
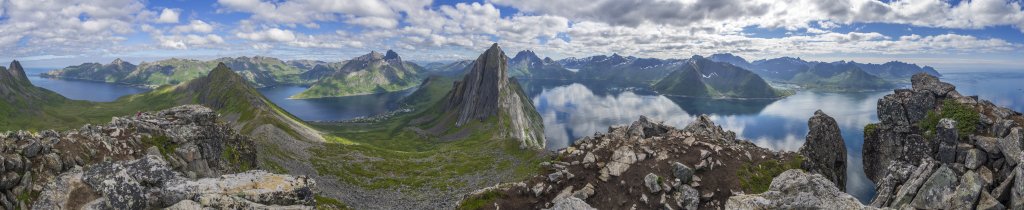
[391,55]
[525,55]
[486,91]
[117,61]
[17,72]
[548,60]
[824,149]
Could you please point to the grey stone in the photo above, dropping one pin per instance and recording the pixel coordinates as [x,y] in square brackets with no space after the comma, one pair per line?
[824,149]
[687,197]
[935,192]
[946,135]
[570,203]
[927,82]
[975,158]
[989,144]
[795,189]
[652,182]
[682,172]
[1011,146]
[987,202]
[967,193]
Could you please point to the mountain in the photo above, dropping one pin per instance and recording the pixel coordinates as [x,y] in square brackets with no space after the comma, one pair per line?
[621,69]
[457,68]
[731,59]
[526,64]
[260,71]
[783,68]
[839,77]
[487,97]
[367,74]
[897,70]
[21,103]
[113,72]
[701,77]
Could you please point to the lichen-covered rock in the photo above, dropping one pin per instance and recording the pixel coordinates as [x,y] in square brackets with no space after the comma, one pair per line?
[149,183]
[966,195]
[946,135]
[796,189]
[571,203]
[936,191]
[190,137]
[682,172]
[652,182]
[824,150]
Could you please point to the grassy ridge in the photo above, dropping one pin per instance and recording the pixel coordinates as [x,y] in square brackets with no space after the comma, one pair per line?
[392,153]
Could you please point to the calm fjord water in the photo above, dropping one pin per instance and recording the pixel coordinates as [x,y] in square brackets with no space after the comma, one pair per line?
[575,109]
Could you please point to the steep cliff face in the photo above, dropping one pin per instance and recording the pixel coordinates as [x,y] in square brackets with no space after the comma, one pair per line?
[486,91]
[937,149]
[188,142]
[824,149]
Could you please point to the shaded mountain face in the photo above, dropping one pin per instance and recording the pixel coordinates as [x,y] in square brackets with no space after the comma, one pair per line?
[701,77]
[113,72]
[527,64]
[486,92]
[19,96]
[621,69]
[839,77]
[731,59]
[897,70]
[366,74]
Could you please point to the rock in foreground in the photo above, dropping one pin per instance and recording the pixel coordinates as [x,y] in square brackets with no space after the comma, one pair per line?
[796,189]
[646,165]
[117,164]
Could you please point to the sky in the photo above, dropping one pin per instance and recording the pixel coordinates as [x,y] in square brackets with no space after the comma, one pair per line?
[949,35]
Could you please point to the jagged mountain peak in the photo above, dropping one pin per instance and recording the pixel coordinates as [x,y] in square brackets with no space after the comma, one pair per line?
[373,55]
[486,91]
[17,72]
[392,55]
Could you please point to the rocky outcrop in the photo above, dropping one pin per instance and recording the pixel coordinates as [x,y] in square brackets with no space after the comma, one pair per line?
[937,149]
[149,183]
[645,165]
[187,139]
[17,72]
[796,189]
[486,91]
[824,150]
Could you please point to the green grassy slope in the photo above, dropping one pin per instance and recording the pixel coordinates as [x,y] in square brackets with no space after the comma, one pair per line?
[364,77]
[400,152]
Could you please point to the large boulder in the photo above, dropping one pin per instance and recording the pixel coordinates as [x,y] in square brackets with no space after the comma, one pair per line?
[824,150]
[796,189]
[937,190]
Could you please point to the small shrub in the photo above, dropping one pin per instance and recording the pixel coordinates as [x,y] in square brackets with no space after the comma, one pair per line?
[325,203]
[757,178]
[965,116]
[479,201]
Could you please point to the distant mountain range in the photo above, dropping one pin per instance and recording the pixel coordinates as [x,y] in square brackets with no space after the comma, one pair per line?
[700,77]
[370,73]
[785,68]
[260,71]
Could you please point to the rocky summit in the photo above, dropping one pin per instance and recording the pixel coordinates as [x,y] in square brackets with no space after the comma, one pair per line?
[648,165]
[147,160]
[825,149]
[937,149]
[486,91]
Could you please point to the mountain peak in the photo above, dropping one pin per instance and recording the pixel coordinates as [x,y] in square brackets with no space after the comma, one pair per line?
[525,55]
[17,71]
[373,55]
[486,91]
[117,61]
[390,55]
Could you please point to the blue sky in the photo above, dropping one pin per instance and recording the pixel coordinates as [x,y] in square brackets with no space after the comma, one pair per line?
[950,35]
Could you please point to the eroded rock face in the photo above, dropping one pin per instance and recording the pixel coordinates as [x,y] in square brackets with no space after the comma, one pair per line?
[486,91]
[189,138]
[796,189]
[824,150]
[941,167]
[645,165]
